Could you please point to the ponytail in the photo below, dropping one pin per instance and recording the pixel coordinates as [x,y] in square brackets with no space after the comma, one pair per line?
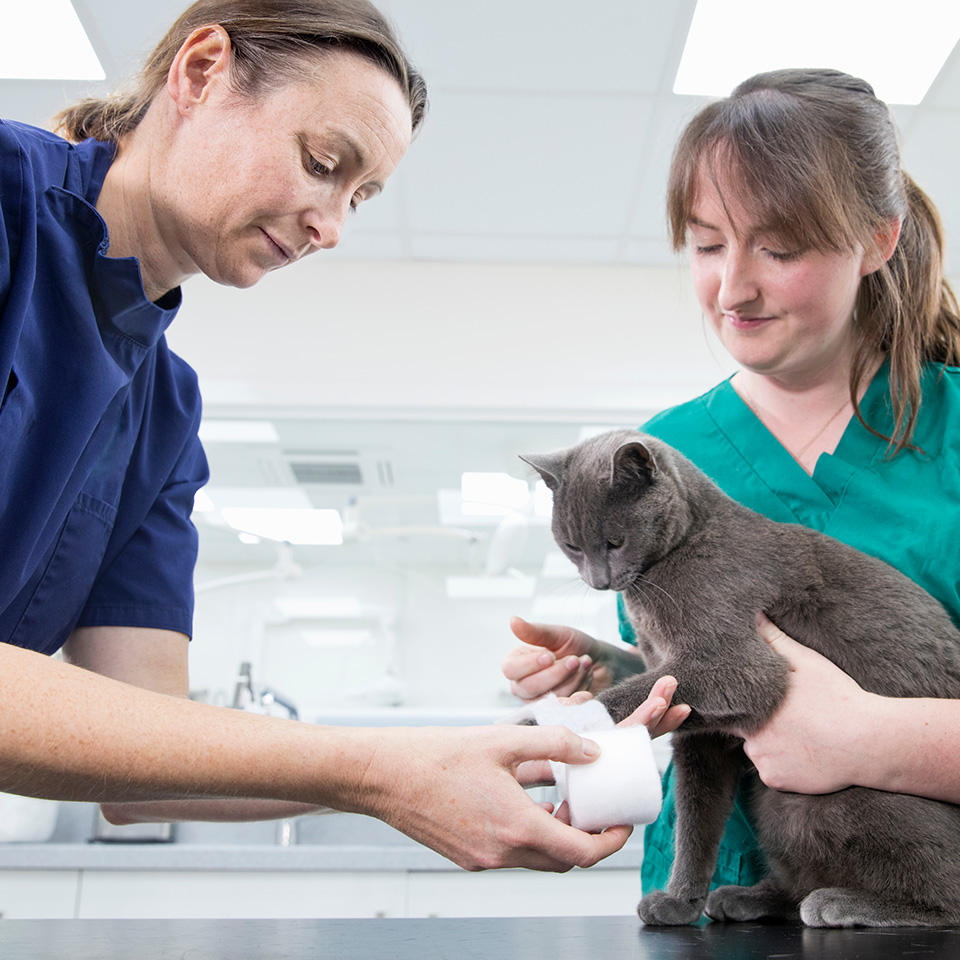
[907,310]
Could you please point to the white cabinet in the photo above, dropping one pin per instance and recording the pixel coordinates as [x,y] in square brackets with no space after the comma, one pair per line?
[206,894]
[116,894]
[38,894]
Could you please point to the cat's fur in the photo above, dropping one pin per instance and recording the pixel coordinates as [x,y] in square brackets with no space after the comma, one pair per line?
[694,567]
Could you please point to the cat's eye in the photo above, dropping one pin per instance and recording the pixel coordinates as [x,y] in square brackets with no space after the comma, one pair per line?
[572,548]
[615,543]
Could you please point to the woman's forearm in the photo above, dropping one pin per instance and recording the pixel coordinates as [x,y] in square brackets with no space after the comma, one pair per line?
[67,733]
[911,745]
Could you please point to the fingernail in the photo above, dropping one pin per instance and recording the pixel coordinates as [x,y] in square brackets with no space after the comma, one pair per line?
[573,663]
[545,659]
[585,661]
[591,749]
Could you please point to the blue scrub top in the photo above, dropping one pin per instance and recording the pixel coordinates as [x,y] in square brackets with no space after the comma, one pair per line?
[99,454]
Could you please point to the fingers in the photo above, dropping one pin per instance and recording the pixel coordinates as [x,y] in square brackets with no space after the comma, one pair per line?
[656,712]
[519,745]
[549,635]
[777,640]
[533,672]
[576,848]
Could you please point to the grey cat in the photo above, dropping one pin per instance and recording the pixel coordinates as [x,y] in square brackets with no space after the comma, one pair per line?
[694,566]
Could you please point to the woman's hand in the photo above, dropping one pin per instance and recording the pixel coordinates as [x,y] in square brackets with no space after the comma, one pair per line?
[815,742]
[556,659]
[657,713]
[456,790]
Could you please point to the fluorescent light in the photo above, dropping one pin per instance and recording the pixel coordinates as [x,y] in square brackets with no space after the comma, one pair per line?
[319,608]
[897,49]
[309,527]
[202,502]
[44,40]
[542,500]
[288,498]
[557,566]
[490,588]
[497,494]
[238,431]
[336,638]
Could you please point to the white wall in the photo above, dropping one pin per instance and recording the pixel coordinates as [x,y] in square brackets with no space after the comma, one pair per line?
[336,333]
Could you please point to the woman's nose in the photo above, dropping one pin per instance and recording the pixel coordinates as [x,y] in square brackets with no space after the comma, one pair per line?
[738,282]
[324,224]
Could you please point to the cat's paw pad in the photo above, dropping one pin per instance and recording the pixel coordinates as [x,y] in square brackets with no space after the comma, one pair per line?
[736,903]
[833,907]
[663,910]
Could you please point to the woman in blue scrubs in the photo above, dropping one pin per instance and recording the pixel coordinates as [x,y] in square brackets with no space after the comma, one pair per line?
[818,263]
[254,128]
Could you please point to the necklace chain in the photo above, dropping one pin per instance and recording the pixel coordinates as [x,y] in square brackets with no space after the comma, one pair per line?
[756,408]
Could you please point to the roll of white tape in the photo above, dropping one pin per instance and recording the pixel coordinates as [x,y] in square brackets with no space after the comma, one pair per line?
[621,786]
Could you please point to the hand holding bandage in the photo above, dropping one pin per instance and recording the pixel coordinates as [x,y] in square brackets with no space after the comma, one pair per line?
[622,786]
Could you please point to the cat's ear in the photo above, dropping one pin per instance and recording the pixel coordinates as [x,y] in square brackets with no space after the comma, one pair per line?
[548,465]
[632,463]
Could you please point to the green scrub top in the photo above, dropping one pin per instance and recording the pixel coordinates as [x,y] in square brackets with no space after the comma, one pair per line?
[904,510]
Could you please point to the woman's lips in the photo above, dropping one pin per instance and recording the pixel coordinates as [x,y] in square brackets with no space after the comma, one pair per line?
[739,322]
[281,253]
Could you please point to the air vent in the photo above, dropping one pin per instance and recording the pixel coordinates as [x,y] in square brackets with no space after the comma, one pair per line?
[315,471]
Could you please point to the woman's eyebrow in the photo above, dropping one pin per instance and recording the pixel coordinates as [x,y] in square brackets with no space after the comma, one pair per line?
[357,155]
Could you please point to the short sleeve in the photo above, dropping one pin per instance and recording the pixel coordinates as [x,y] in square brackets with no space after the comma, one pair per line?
[149,582]
[146,578]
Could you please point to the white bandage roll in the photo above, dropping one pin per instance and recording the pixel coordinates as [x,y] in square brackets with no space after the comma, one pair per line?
[621,786]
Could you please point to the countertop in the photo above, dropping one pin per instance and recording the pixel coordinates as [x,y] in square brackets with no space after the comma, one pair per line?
[573,938]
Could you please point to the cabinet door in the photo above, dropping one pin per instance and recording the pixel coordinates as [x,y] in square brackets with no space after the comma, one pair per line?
[131,894]
[38,894]
[523,893]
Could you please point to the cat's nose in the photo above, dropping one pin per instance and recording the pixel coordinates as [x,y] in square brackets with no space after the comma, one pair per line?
[598,576]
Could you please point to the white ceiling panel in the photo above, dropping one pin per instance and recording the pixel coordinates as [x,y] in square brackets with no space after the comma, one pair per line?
[945,92]
[526,164]
[607,46]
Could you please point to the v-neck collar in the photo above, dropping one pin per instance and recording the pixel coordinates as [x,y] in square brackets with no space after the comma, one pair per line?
[808,498]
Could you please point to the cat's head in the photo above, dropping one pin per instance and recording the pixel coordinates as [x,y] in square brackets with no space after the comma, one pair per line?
[617,505]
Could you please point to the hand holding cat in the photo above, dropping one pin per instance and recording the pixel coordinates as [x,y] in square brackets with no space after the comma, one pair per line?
[811,744]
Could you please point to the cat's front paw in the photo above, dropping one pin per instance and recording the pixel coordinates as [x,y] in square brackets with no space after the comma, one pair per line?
[660,909]
[747,903]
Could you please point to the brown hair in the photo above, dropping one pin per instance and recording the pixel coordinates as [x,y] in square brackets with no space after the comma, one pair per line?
[271,39]
[812,155]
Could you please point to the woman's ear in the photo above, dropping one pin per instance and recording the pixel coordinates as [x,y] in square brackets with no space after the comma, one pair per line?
[885,242]
[203,60]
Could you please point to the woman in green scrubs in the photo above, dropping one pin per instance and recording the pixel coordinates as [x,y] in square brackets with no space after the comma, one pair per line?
[818,263]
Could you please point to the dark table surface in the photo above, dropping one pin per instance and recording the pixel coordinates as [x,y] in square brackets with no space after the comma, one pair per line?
[536,938]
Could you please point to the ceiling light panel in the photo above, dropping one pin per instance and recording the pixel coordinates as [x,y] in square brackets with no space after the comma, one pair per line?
[898,51]
[44,40]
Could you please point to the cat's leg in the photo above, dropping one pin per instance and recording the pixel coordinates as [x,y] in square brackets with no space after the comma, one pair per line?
[707,768]
[764,899]
[842,907]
